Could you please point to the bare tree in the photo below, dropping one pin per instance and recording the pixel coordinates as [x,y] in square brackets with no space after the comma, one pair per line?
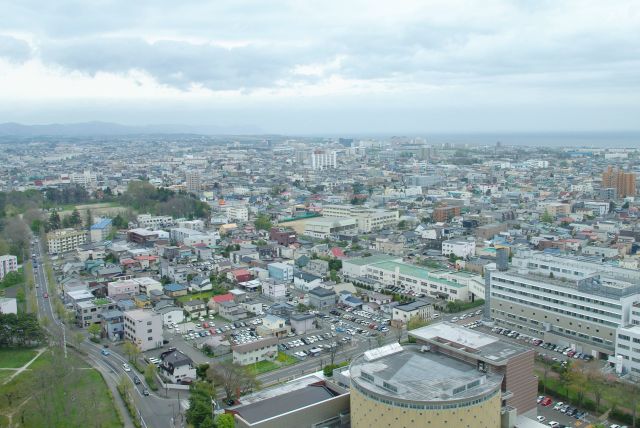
[333,351]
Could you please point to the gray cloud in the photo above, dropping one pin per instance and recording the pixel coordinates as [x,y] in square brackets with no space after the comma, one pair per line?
[176,63]
[13,49]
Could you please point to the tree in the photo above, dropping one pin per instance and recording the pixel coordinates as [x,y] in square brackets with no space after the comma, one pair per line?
[546,217]
[232,377]
[595,382]
[54,220]
[333,351]
[225,420]
[88,218]
[201,371]
[77,338]
[94,330]
[74,219]
[262,222]
[131,350]
[200,404]
[416,322]
[577,379]
[150,375]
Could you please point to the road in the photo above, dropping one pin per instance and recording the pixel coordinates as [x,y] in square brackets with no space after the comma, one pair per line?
[153,411]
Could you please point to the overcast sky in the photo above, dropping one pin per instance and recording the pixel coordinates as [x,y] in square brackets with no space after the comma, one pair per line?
[324,66]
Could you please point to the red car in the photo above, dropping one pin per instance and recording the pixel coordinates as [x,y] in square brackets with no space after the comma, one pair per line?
[45,295]
[546,401]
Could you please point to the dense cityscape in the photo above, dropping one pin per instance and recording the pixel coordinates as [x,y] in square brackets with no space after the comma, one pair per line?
[326,282]
[334,214]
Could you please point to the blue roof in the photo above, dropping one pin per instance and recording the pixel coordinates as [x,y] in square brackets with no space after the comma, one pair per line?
[102,224]
[174,287]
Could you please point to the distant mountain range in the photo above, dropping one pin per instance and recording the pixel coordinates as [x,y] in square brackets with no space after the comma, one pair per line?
[107,128]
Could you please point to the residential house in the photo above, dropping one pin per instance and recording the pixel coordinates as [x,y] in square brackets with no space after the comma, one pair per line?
[177,367]
[305,281]
[232,311]
[171,314]
[195,308]
[420,309]
[175,290]
[302,323]
[322,298]
[273,325]
[215,301]
[261,350]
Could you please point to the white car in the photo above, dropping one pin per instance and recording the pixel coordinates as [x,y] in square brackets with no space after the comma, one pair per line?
[126,367]
[554,424]
[541,418]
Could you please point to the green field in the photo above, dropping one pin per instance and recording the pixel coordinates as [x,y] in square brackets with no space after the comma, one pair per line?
[282,360]
[58,392]
[13,358]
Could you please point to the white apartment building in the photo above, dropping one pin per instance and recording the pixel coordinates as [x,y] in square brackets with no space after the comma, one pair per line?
[274,290]
[459,247]
[405,312]
[86,179]
[192,237]
[368,219]
[237,213]
[144,328]
[129,287]
[574,301]
[65,240]
[192,181]
[323,159]
[154,222]
[191,224]
[8,263]
[628,349]
[323,227]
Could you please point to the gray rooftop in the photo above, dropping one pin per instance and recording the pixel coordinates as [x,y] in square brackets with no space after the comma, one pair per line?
[288,402]
[407,373]
[465,341]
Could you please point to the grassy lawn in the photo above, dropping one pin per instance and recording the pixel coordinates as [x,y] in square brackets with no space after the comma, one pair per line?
[14,358]
[263,367]
[59,394]
[4,375]
[205,295]
[282,360]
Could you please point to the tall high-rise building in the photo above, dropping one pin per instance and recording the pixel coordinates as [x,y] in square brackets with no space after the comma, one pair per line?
[623,182]
[192,179]
[323,159]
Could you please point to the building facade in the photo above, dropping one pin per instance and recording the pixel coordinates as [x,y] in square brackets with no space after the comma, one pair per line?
[65,240]
[144,328]
[8,263]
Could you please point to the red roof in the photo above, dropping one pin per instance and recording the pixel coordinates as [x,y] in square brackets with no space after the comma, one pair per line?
[150,258]
[238,272]
[337,252]
[223,298]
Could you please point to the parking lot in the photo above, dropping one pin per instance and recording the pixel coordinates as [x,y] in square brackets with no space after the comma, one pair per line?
[563,414]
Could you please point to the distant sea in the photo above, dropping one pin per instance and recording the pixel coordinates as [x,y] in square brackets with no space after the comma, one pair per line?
[629,139]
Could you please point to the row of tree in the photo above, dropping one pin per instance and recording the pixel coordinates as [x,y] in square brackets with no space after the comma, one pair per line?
[22,329]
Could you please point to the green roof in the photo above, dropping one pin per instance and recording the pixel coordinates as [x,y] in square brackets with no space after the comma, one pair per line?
[414,271]
[361,261]
[101,301]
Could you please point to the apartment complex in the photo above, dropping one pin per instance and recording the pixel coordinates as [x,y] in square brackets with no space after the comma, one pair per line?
[154,221]
[144,328]
[463,248]
[237,213]
[442,214]
[623,182]
[323,227]
[8,263]
[575,301]
[323,159]
[192,181]
[100,231]
[274,290]
[65,240]
[368,219]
